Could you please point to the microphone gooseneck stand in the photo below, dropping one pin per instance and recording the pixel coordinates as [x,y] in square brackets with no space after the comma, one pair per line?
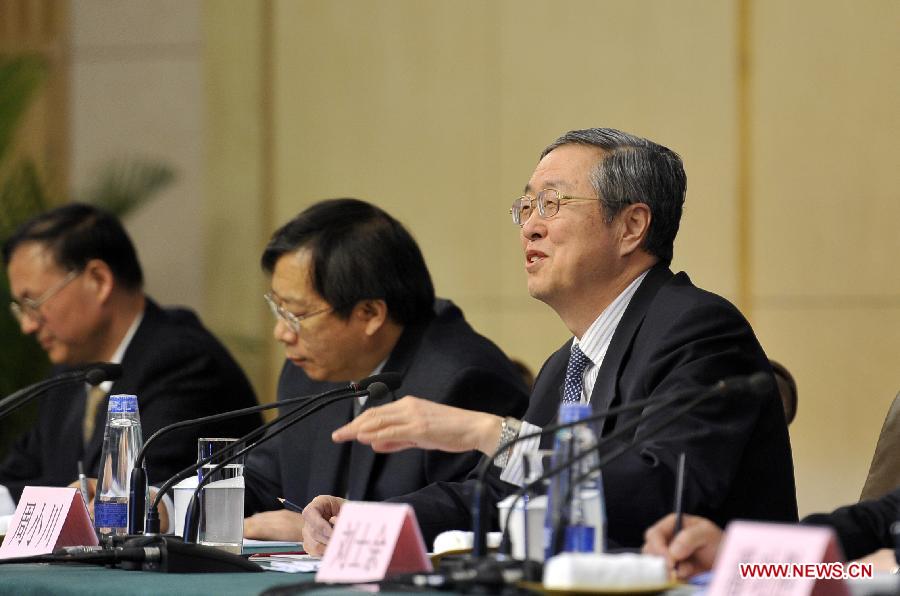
[192,515]
[92,373]
[138,480]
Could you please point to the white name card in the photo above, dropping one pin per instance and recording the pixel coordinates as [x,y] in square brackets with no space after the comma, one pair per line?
[46,519]
[372,540]
[778,560]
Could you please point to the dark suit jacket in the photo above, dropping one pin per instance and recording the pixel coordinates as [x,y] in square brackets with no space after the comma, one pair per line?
[672,336]
[864,527]
[445,361]
[177,369]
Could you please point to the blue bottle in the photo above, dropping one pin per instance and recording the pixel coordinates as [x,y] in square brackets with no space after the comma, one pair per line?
[122,440]
[576,514]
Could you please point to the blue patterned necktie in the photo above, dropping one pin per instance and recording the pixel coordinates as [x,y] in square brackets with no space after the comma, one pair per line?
[575,376]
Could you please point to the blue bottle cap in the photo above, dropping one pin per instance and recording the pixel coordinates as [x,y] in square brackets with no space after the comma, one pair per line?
[123,403]
[573,412]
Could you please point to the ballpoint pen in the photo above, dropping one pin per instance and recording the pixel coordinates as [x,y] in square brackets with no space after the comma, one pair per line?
[679,500]
[290,506]
[82,482]
[679,494]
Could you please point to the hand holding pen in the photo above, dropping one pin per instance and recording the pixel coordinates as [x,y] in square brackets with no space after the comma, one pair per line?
[278,524]
[688,543]
[319,518]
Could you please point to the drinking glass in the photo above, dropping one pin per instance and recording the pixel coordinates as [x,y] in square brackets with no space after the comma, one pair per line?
[222,499]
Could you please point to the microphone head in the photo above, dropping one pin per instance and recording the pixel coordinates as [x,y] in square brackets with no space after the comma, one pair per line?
[378,390]
[758,383]
[390,379]
[100,372]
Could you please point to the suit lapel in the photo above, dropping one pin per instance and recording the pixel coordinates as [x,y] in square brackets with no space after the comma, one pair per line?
[543,406]
[329,474]
[363,458]
[604,394]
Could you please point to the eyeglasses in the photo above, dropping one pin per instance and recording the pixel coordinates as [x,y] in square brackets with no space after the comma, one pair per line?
[292,320]
[548,202]
[30,307]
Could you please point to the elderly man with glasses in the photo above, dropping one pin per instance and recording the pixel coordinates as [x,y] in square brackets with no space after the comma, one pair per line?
[352,297]
[597,225]
[77,286]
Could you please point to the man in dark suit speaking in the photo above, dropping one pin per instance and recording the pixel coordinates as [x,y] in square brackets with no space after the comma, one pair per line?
[597,226]
[77,287]
[352,297]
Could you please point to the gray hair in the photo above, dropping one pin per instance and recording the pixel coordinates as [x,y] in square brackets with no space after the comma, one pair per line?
[635,170]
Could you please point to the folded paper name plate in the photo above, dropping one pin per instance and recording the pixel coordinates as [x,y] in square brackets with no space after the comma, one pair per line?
[605,572]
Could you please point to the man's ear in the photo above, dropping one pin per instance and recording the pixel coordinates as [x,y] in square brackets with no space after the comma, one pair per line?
[373,314]
[634,223]
[99,279]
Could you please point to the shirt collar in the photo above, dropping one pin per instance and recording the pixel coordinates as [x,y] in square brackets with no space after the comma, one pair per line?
[596,339]
[123,345]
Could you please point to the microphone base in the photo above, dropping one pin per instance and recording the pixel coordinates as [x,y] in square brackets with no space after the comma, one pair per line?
[490,574]
[176,556]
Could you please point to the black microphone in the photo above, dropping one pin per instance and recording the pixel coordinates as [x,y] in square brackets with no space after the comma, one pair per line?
[138,481]
[756,383]
[375,390]
[148,553]
[94,374]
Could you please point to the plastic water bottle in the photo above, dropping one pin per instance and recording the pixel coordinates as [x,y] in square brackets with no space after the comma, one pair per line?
[122,440]
[575,510]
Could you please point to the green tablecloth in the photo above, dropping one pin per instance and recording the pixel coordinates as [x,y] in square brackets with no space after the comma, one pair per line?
[68,578]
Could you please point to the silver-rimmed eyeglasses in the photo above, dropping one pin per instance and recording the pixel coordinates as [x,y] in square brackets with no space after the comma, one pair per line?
[31,307]
[548,203]
[292,320]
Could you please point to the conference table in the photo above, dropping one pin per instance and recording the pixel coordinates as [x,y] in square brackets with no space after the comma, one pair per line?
[91,580]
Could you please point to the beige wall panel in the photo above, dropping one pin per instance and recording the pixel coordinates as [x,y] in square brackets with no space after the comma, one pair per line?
[827,120]
[235,206]
[845,363]
[136,22]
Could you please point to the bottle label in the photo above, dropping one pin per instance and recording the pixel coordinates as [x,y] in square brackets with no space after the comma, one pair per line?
[579,539]
[123,404]
[110,514]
